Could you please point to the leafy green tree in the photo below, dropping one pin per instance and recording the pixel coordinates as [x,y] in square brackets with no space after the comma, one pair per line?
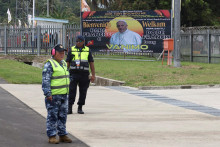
[96,4]
[214,5]
[132,5]
[60,9]
[196,13]
[121,4]
[41,7]
[5,4]
[193,12]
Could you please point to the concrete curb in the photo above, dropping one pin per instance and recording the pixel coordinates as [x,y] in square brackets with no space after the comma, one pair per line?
[178,87]
[99,81]
[39,65]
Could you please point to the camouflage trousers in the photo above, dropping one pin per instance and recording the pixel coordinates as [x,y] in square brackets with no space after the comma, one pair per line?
[56,115]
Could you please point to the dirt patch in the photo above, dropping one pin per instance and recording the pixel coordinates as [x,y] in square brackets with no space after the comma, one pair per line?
[26,58]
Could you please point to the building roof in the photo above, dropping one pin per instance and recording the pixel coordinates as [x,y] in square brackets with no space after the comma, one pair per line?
[51,20]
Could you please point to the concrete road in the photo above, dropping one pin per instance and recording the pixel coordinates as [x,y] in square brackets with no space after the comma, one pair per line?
[21,126]
[128,117]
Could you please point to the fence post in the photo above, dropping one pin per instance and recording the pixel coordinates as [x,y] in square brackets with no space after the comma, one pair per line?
[209,45]
[5,39]
[38,40]
[191,48]
[64,36]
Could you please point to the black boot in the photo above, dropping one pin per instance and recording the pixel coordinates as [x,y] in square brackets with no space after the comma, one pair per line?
[80,111]
[70,110]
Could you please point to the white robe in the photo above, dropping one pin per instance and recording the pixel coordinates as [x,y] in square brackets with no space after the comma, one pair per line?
[126,38]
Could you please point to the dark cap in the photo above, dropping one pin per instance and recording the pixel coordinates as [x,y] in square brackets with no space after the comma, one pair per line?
[79,37]
[59,48]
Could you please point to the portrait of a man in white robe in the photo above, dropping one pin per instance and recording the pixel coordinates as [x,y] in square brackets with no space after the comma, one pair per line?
[126,39]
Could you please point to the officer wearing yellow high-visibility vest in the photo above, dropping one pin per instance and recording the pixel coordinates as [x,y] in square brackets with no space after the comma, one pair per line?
[79,59]
[24,40]
[55,85]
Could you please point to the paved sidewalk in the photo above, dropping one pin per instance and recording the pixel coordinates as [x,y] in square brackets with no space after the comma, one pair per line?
[127,117]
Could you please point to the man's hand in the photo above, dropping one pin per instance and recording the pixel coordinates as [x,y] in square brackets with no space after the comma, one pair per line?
[49,98]
[92,67]
[92,79]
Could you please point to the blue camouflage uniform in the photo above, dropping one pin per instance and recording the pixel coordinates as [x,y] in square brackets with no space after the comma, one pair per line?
[57,108]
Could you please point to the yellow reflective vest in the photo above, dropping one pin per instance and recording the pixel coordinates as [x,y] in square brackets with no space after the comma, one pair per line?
[60,78]
[46,38]
[80,59]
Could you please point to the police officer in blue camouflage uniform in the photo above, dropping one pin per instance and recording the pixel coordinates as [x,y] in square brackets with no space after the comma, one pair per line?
[55,85]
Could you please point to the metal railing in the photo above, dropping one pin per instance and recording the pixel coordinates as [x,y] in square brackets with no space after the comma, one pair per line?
[197,44]
[37,41]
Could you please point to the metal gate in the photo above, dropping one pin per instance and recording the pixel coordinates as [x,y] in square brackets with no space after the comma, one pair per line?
[36,41]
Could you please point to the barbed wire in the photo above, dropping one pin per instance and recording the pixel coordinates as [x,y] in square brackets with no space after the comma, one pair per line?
[198,28]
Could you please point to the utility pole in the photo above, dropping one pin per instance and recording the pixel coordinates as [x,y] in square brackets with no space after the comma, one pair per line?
[48,8]
[177,9]
[33,26]
[80,11]
[23,7]
[33,12]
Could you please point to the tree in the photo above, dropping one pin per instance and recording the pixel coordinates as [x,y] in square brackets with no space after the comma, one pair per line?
[122,4]
[196,13]
[60,9]
[5,4]
[132,5]
[41,6]
[95,4]
[193,12]
[214,5]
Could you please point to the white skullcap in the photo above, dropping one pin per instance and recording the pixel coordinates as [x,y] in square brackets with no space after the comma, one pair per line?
[122,21]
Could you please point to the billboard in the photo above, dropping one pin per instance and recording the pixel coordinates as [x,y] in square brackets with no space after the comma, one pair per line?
[128,31]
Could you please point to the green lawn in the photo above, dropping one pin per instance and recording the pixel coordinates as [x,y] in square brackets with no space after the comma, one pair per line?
[145,73]
[134,73]
[19,72]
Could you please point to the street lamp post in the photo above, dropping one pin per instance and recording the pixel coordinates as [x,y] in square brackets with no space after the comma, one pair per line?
[33,12]
[177,8]
[33,26]
[47,8]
